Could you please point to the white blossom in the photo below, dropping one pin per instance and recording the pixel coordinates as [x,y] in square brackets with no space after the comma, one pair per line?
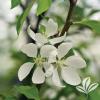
[50,30]
[63,67]
[53,60]
[39,60]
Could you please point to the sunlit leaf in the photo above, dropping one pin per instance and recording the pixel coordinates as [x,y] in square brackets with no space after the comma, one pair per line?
[92,24]
[22,18]
[80,89]
[93,87]
[42,29]
[86,82]
[43,5]
[15,3]
[31,92]
[79,13]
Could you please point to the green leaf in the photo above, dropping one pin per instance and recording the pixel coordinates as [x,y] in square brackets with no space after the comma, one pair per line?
[80,89]
[10,98]
[31,92]
[15,3]
[86,82]
[92,24]
[42,29]
[70,53]
[22,18]
[43,5]
[78,13]
[93,87]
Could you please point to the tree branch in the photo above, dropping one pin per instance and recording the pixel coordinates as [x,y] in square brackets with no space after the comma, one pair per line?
[68,22]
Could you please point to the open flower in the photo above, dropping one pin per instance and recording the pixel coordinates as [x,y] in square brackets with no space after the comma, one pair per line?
[50,30]
[39,61]
[66,66]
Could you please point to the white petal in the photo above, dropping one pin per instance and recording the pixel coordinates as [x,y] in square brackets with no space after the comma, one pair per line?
[70,76]
[56,80]
[29,49]
[49,71]
[75,62]
[24,70]
[41,39]
[51,28]
[31,33]
[63,49]
[52,57]
[46,50]
[38,76]
[57,40]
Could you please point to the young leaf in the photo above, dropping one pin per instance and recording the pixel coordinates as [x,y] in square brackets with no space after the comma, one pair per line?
[43,5]
[93,87]
[86,82]
[80,89]
[92,24]
[15,3]
[42,29]
[31,92]
[22,18]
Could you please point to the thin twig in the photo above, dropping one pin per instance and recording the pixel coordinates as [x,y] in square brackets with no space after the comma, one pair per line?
[68,22]
[39,19]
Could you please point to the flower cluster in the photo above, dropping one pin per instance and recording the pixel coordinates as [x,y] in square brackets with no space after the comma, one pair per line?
[50,60]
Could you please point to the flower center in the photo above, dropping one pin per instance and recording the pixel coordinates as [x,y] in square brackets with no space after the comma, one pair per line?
[60,63]
[39,60]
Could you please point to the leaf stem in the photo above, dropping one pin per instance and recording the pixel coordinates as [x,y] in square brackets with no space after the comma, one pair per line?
[88,97]
[68,22]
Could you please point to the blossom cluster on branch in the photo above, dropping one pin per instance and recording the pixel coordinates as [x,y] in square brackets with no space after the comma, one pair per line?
[51,58]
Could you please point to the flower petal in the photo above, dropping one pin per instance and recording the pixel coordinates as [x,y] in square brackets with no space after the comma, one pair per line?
[41,39]
[38,76]
[57,40]
[29,49]
[63,49]
[49,71]
[31,33]
[24,70]
[56,80]
[51,28]
[52,57]
[46,50]
[46,65]
[70,76]
[75,62]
